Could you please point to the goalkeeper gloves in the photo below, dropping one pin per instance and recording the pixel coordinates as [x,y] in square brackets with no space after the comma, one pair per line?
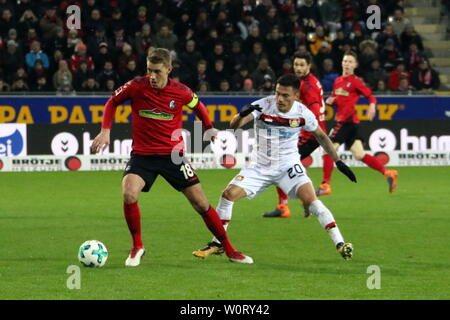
[345,170]
[249,108]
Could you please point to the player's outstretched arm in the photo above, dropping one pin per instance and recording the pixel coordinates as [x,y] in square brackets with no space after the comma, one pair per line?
[244,116]
[328,146]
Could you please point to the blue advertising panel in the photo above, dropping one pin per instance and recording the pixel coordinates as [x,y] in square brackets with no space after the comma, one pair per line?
[83,110]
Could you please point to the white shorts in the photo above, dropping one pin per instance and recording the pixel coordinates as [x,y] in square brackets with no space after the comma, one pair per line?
[255,180]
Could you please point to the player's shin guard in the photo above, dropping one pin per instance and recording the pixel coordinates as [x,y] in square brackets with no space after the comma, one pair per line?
[326,220]
[373,163]
[214,224]
[133,218]
[328,166]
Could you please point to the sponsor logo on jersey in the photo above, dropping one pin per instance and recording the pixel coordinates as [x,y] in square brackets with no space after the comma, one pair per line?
[341,92]
[155,114]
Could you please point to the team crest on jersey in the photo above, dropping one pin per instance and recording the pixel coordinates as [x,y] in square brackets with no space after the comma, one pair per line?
[349,85]
[239,178]
[172,104]
[294,122]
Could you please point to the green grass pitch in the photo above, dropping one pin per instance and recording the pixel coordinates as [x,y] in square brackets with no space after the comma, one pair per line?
[44,217]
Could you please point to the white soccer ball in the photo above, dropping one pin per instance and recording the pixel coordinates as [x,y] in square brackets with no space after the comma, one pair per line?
[93,253]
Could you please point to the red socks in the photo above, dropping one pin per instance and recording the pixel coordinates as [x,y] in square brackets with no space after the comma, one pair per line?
[215,225]
[133,217]
[282,197]
[328,166]
[373,163]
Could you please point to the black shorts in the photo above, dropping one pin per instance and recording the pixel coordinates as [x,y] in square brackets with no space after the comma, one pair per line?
[148,167]
[345,133]
[306,147]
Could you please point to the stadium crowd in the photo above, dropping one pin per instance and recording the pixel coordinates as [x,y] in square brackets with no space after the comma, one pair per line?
[222,45]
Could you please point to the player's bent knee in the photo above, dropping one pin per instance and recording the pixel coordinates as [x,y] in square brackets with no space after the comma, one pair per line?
[129,195]
[233,193]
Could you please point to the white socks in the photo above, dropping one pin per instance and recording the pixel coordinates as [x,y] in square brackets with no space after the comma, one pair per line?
[224,210]
[326,220]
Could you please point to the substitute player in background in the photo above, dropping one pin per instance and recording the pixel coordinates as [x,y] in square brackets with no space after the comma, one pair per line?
[156,103]
[346,92]
[311,95]
[278,120]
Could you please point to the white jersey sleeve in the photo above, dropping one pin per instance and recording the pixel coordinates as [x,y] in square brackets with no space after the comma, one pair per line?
[311,123]
[263,103]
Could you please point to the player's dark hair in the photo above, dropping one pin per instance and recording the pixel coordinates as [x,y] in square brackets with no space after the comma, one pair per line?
[289,80]
[351,53]
[305,56]
[159,55]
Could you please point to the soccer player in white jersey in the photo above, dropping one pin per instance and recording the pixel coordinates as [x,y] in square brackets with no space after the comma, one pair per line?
[278,120]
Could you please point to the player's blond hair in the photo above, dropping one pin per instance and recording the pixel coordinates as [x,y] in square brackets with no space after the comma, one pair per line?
[159,55]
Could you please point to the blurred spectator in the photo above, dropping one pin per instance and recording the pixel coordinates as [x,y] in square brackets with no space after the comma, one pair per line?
[246,24]
[118,40]
[130,72]
[82,75]
[254,36]
[286,68]
[396,75]
[24,5]
[368,49]
[59,42]
[203,87]
[399,22]
[54,61]
[110,86]
[217,74]
[388,33]
[317,40]
[381,86]
[278,60]
[310,15]
[126,56]
[287,7]
[267,87]
[94,41]
[229,36]
[190,56]
[117,21]
[270,20]
[28,20]
[102,55]
[31,36]
[224,86]
[37,71]
[248,86]
[106,74]
[160,20]
[202,24]
[375,74]
[35,54]
[325,52]
[425,78]
[291,25]
[237,81]
[298,39]
[255,56]
[413,57]
[80,55]
[350,9]
[144,40]
[237,58]
[41,85]
[390,55]
[217,53]
[19,84]
[328,75]
[408,36]
[49,22]
[7,22]
[201,73]
[258,75]
[93,23]
[4,86]
[358,37]
[165,38]
[11,58]
[273,41]
[404,85]
[62,79]
[138,21]
[331,13]
[73,39]
[90,85]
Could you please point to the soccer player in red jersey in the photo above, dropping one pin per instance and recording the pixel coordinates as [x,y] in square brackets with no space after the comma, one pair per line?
[311,95]
[346,92]
[156,103]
